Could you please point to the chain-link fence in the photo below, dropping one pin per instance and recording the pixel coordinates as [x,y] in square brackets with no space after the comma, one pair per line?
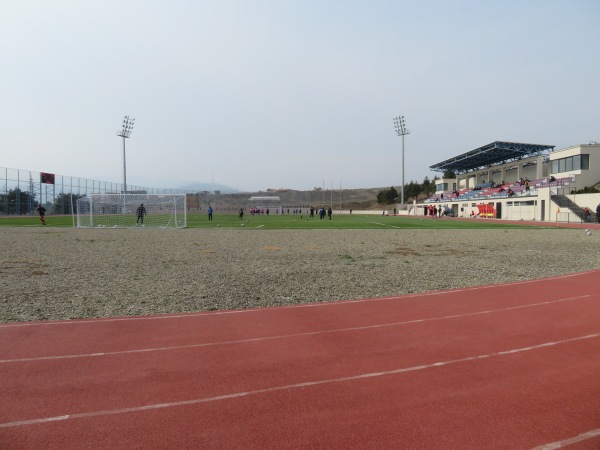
[21,191]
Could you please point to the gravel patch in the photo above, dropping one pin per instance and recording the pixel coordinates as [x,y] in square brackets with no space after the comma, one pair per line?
[67,273]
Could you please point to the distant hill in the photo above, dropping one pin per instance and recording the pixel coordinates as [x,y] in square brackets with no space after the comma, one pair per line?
[357,199]
[209,187]
[350,198]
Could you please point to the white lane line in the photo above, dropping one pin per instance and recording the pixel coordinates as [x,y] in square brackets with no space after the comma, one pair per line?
[292,386]
[279,308]
[566,442]
[287,336]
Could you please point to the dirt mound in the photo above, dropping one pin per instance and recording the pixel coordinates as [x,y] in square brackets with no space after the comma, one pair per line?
[358,199]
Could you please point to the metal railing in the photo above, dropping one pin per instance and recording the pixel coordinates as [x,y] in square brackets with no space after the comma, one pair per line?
[22,190]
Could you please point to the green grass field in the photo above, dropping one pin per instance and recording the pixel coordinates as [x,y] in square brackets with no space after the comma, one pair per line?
[345,221]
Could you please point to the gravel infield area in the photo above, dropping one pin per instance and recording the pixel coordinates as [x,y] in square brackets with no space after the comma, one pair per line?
[68,273]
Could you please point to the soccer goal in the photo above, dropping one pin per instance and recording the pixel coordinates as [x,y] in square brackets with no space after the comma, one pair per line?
[132,210]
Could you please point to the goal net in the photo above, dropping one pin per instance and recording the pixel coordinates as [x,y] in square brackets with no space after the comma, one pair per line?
[132,210]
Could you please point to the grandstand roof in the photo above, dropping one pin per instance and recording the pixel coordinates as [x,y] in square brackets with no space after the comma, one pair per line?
[497,152]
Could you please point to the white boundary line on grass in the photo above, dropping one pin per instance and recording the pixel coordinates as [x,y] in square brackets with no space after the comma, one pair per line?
[288,387]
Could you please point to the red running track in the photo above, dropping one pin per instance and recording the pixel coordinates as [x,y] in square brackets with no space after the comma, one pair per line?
[513,366]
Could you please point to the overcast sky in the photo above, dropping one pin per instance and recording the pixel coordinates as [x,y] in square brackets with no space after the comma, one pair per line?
[258,94]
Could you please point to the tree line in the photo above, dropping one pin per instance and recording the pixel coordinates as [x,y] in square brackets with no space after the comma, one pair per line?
[412,190]
[18,202]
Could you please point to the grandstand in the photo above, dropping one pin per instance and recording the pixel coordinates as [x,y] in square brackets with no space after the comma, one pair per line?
[517,181]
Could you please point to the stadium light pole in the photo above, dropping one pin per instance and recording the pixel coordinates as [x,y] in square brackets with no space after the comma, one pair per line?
[401,130]
[125,132]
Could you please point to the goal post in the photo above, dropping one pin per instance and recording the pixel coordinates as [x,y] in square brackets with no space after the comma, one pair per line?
[132,210]
[264,204]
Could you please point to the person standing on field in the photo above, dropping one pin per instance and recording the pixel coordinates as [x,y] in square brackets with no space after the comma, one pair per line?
[210,211]
[41,211]
[598,213]
[140,213]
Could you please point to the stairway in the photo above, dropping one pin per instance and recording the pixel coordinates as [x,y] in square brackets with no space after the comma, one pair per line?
[565,202]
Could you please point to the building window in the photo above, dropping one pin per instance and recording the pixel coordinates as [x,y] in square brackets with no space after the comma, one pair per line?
[577,162]
[522,203]
[585,162]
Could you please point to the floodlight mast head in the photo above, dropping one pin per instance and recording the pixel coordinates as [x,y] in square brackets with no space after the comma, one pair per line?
[127,127]
[400,126]
[401,130]
[125,132]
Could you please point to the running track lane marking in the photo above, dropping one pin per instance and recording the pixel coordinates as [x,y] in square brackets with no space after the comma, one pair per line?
[582,437]
[291,386]
[286,336]
[305,305]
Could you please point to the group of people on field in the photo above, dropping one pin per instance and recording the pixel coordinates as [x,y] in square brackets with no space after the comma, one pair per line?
[430,211]
[435,212]
[322,211]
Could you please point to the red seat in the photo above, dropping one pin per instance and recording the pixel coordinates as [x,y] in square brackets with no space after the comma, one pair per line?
[486,211]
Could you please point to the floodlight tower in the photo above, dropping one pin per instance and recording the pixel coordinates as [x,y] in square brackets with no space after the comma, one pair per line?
[125,132]
[401,130]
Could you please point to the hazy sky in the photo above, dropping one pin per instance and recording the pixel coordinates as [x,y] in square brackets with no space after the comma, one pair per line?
[256,94]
